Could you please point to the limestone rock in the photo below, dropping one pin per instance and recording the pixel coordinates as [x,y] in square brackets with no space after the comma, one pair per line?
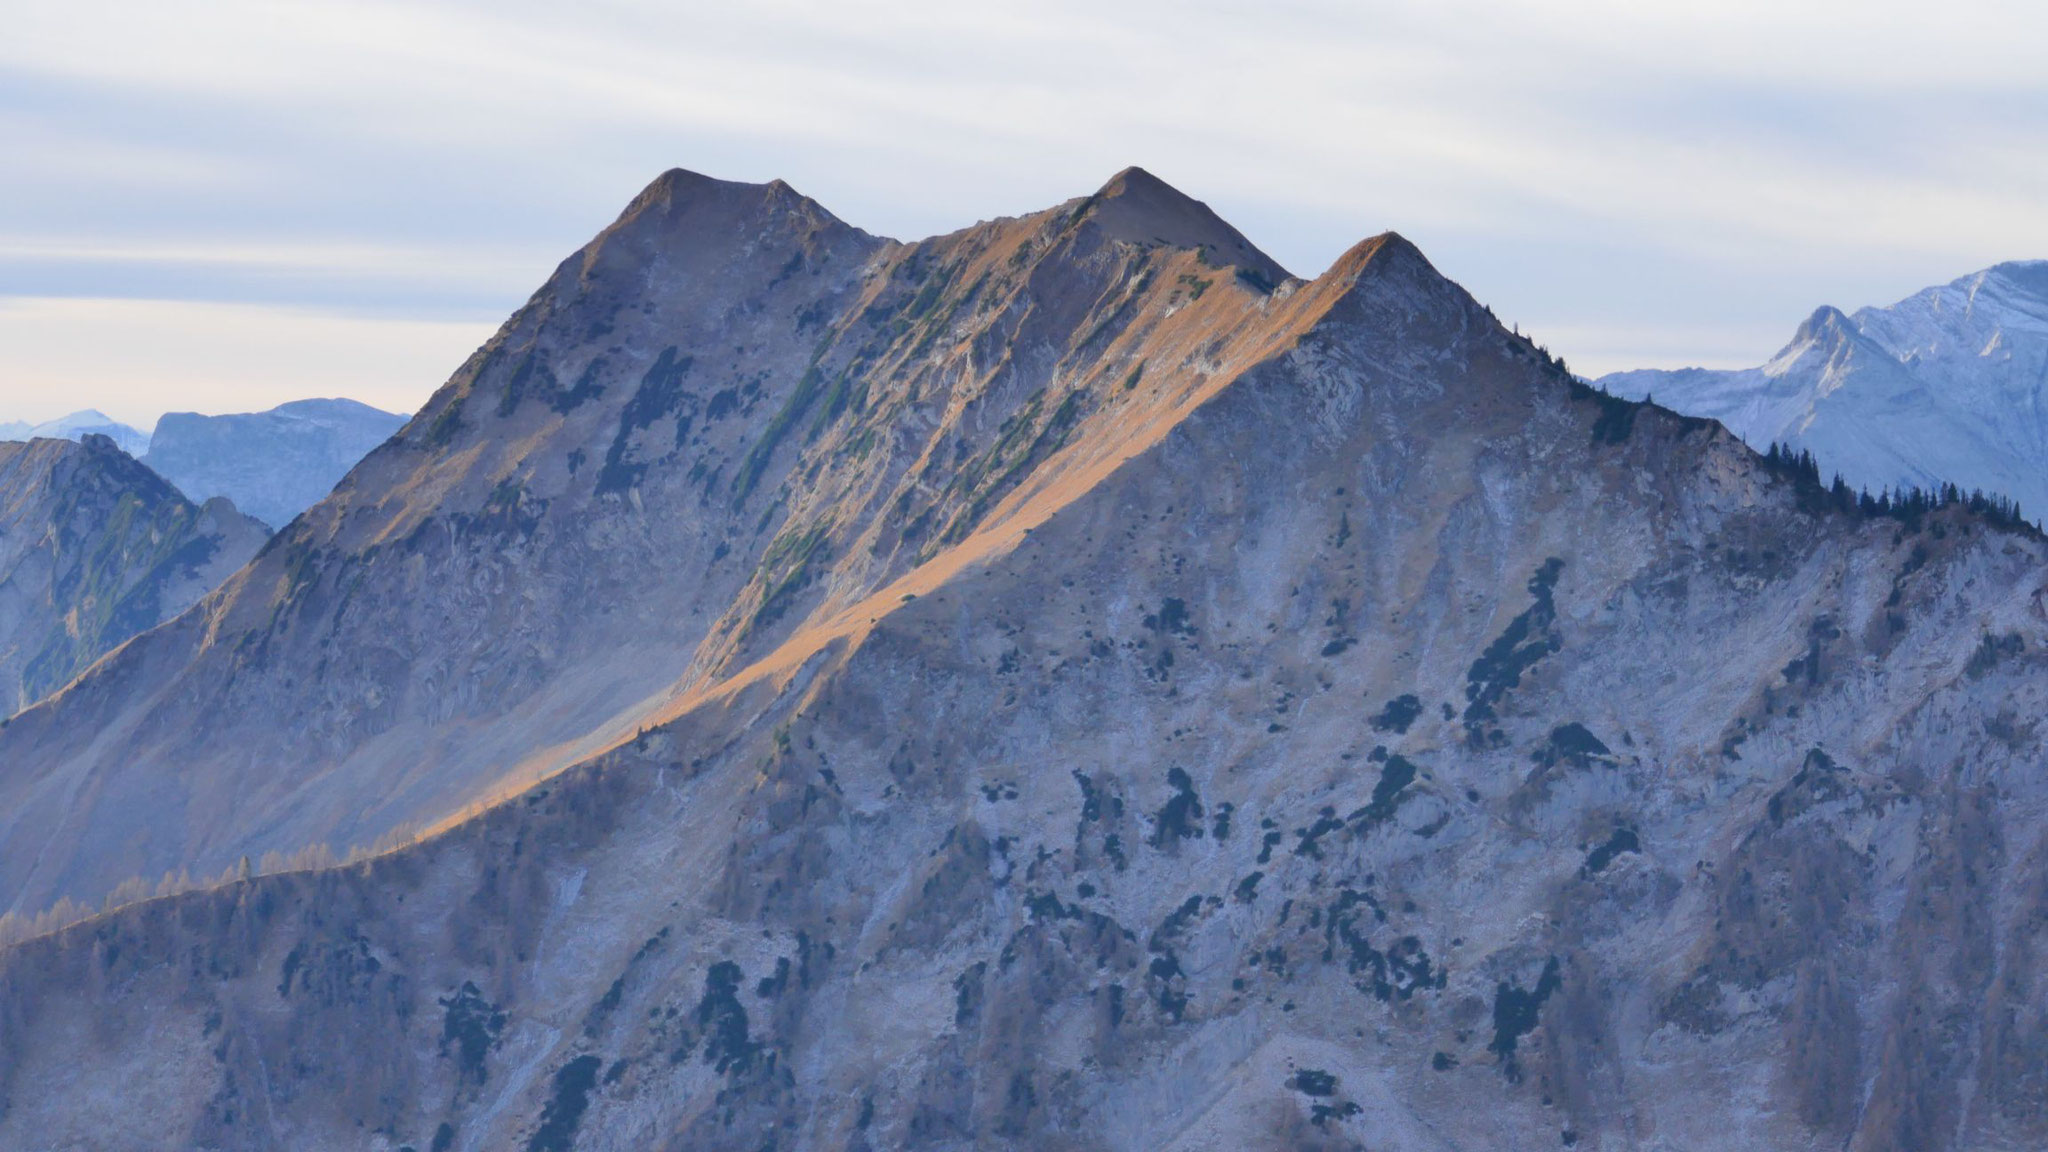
[1085,698]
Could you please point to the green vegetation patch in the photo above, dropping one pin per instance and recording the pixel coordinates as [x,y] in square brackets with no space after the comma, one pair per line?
[1399,713]
[1516,1011]
[1991,651]
[1397,972]
[1313,1082]
[1622,840]
[446,423]
[786,568]
[1818,781]
[1571,744]
[565,1108]
[566,1105]
[1617,418]
[806,392]
[723,1020]
[661,393]
[1395,776]
[1527,639]
[472,1025]
[1180,818]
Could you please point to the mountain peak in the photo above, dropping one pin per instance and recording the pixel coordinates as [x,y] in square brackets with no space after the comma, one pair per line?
[1386,262]
[72,426]
[682,201]
[329,406]
[1137,207]
[1379,254]
[1137,181]
[1827,322]
[644,636]
[1943,386]
[680,184]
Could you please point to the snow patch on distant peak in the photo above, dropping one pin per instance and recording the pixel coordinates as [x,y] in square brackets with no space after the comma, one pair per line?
[76,426]
[1949,385]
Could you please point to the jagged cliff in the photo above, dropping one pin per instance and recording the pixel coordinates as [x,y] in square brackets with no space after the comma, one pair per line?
[1173,706]
[95,548]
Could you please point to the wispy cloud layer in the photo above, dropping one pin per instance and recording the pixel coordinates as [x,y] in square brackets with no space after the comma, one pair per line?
[1610,173]
[174,355]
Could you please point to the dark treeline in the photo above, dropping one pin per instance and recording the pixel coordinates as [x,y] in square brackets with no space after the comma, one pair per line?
[1909,506]
[1906,505]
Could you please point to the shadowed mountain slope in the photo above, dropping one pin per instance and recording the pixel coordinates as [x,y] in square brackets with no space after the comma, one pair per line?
[95,548]
[1345,731]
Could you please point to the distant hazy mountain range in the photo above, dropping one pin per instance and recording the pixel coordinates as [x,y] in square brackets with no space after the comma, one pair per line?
[95,548]
[77,426]
[273,465]
[1947,386]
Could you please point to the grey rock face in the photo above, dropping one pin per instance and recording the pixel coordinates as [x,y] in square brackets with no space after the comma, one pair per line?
[273,465]
[726,414]
[95,548]
[1949,386]
[1336,730]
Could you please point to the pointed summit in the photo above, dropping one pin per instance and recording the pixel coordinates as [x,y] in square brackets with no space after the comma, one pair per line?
[1825,318]
[131,440]
[1828,335]
[680,190]
[689,208]
[1386,272]
[1828,325]
[1379,256]
[1140,208]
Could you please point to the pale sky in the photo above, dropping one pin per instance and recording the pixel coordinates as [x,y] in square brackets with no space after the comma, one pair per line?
[221,206]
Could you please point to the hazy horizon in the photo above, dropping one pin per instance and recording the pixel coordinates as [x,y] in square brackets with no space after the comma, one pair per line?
[221,208]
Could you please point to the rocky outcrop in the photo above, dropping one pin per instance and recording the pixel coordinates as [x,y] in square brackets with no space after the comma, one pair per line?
[1340,729]
[95,548]
[273,465]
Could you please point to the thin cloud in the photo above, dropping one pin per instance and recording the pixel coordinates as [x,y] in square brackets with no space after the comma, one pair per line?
[136,359]
[1574,163]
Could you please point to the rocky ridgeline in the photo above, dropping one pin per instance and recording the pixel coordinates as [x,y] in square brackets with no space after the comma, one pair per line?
[1089,690]
[95,548]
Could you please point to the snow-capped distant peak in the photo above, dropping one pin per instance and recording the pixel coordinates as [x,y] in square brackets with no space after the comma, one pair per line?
[75,426]
[1949,385]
